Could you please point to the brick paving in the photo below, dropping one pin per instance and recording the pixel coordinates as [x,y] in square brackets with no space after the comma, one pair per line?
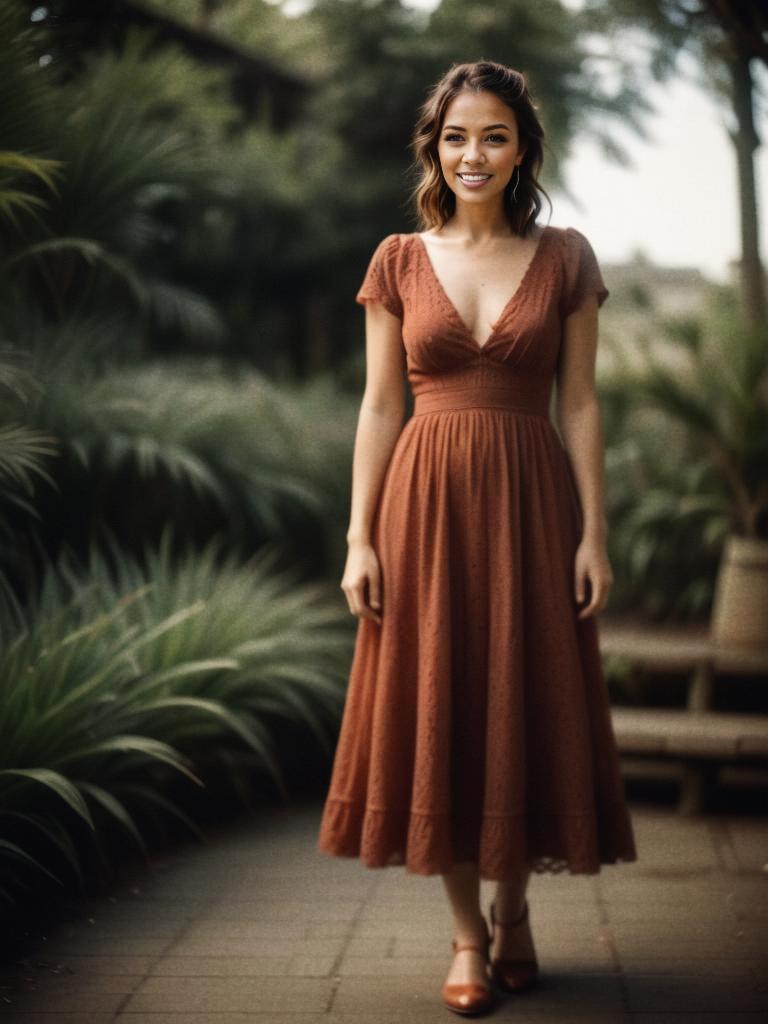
[258,926]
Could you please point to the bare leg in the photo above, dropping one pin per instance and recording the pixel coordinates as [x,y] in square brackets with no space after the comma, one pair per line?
[462,883]
[510,896]
[509,903]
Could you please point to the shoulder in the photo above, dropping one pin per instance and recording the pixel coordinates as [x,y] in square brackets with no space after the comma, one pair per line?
[389,245]
[570,238]
[386,253]
[382,278]
[578,242]
[576,250]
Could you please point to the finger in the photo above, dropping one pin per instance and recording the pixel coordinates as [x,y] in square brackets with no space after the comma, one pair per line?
[360,604]
[375,590]
[581,585]
[590,607]
[368,613]
[600,598]
[356,600]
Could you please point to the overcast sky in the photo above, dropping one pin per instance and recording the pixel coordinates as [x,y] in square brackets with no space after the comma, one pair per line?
[678,203]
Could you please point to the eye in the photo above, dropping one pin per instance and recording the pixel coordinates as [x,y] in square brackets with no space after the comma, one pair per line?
[455,135]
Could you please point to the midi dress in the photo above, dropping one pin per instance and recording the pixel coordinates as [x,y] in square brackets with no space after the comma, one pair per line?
[476,724]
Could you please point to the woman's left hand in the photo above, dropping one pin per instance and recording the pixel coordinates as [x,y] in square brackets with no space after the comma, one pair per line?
[592,564]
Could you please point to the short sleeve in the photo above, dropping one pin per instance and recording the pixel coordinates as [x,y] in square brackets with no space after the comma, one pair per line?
[380,281]
[582,273]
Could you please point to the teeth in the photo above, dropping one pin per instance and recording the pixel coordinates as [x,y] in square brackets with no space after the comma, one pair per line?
[474,177]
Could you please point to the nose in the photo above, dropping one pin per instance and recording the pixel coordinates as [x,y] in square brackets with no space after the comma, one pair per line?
[472,152]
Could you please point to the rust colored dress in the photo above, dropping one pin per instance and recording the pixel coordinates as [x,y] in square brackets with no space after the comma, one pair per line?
[477,721]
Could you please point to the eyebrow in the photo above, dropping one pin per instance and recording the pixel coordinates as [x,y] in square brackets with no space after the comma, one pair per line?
[486,129]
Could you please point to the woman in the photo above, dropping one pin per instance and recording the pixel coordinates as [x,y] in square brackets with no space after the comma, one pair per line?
[476,740]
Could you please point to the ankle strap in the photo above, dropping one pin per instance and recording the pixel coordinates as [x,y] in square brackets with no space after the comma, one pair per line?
[458,946]
[482,947]
[509,924]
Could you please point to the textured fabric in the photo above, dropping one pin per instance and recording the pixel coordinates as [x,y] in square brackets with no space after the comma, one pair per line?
[477,721]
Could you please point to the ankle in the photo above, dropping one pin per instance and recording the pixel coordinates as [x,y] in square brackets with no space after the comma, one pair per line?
[471,930]
[510,914]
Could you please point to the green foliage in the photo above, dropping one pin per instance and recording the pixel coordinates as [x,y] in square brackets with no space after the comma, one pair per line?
[257,455]
[259,26]
[14,201]
[721,399]
[156,83]
[666,509]
[79,231]
[118,674]
[686,457]
[27,116]
[23,448]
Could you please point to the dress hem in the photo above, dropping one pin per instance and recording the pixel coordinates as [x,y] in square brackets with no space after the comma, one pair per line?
[428,844]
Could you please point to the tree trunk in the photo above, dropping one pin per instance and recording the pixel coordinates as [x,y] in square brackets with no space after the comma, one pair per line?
[746,141]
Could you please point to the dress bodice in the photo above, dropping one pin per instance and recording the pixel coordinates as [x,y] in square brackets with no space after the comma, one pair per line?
[521,351]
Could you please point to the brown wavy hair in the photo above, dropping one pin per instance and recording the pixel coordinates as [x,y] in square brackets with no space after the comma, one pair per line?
[434,201]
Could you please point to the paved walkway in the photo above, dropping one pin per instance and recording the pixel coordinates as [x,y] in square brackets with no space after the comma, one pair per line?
[257,926]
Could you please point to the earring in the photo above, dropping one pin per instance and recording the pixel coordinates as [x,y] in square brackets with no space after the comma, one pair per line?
[517,168]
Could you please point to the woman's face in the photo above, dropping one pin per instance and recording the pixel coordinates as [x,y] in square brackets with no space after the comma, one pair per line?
[479,134]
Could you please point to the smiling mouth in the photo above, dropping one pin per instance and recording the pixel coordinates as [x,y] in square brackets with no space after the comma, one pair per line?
[472,177]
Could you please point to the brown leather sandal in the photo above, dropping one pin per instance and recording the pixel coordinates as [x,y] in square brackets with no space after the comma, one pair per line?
[516,975]
[471,997]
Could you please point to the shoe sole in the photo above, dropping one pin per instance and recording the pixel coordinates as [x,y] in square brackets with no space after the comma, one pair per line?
[469,1013]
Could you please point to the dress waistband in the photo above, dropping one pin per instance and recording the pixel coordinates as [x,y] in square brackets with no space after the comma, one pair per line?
[524,398]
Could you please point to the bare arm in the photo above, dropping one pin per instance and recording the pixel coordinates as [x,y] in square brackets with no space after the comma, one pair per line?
[379,424]
[579,423]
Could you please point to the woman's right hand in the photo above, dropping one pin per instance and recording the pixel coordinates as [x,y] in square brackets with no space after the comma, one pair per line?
[362,568]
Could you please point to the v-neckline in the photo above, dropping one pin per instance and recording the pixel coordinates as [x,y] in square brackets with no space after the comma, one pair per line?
[507,306]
